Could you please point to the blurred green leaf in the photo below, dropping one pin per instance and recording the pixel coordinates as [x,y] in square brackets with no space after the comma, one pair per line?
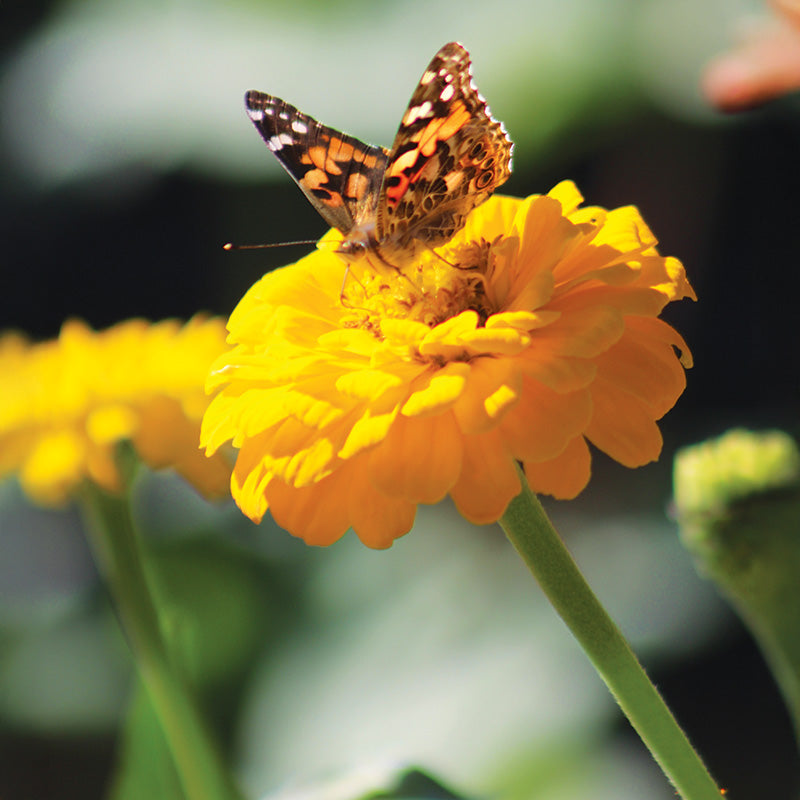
[68,676]
[379,782]
[144,766]
[214,606]
[416,784]
[133,76]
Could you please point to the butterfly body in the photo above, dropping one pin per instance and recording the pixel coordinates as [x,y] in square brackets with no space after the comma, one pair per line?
[448,156]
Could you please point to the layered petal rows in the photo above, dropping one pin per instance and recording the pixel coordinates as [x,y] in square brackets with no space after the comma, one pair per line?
[352,397]
[67,403]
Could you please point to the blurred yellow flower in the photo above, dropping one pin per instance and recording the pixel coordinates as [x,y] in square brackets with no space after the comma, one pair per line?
[354,397]
[66,403]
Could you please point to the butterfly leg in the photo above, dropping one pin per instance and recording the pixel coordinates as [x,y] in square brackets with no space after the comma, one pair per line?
[442,258]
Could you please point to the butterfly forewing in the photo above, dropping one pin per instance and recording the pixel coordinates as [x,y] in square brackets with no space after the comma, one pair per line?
[340,175]
[448,156]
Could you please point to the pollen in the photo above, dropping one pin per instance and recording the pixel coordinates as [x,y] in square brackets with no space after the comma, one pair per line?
[434,288]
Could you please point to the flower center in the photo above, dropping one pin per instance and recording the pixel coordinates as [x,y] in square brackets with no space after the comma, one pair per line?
[434,288]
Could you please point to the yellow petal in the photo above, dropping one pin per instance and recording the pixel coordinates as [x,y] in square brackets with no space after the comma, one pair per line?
[498,341]
[310,402]
[111,423]
[646,369]
[101,467]
[318,514]
[365,384]
[622,427]
[370,429]
[580,332]
[377,518]
[250,480]
[348,342]
[625,231]
[488,479]
[657,330]
[567,195]
[493,218]
[522,320]
[435,392]
[563,477]
[372,423]
[544,422]
[559,373]
[166,438]
[404,331]
[54,467]
[419,460]
[445,340]
[493,387]
[218,425]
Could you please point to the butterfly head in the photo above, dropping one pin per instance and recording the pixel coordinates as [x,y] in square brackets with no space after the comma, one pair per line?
[352,249]
[362,243]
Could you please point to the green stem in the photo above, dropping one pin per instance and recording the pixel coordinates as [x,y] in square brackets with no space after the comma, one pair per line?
[536,540]
[118,553]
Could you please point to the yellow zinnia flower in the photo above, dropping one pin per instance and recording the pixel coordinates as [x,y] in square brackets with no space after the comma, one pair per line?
[65,404]
[355,394]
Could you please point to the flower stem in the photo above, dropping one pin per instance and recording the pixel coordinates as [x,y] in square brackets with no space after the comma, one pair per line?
[118,553]
[538,543]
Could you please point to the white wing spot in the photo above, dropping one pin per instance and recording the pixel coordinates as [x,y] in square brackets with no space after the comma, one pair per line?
[417,112]
[447,93]
[255,114]
[427,77]
[299,127]
[283,115]
[277,142]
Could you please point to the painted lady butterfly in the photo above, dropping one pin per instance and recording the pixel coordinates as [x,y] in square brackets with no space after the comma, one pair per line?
[448,156]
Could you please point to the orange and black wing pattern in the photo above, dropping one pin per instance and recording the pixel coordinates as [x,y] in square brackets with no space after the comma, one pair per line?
[449,155]
[340,175]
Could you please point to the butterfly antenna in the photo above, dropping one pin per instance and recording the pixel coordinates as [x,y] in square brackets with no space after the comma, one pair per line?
[231,246]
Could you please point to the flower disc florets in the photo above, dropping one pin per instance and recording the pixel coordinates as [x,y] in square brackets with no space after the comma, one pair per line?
[353,394]
[434,288]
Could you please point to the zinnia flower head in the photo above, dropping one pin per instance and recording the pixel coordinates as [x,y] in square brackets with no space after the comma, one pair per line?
[67,403]
[354,396]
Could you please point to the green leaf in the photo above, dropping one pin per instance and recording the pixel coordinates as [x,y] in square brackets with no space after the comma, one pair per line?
[145,767]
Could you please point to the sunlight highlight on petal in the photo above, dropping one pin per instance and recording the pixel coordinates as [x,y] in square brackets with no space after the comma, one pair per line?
[530,333]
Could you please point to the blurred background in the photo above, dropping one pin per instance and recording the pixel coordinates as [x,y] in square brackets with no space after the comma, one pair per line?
[128,160]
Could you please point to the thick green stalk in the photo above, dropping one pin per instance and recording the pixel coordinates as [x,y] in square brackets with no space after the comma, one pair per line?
[536,540]
[118,553]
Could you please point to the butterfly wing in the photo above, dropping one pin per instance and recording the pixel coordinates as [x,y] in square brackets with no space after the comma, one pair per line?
[340,175]
[449,155]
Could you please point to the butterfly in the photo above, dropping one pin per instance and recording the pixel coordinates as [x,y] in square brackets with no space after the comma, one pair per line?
[448,156]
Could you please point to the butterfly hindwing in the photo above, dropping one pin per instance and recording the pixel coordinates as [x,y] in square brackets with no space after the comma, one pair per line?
[340,175]
[448,156]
